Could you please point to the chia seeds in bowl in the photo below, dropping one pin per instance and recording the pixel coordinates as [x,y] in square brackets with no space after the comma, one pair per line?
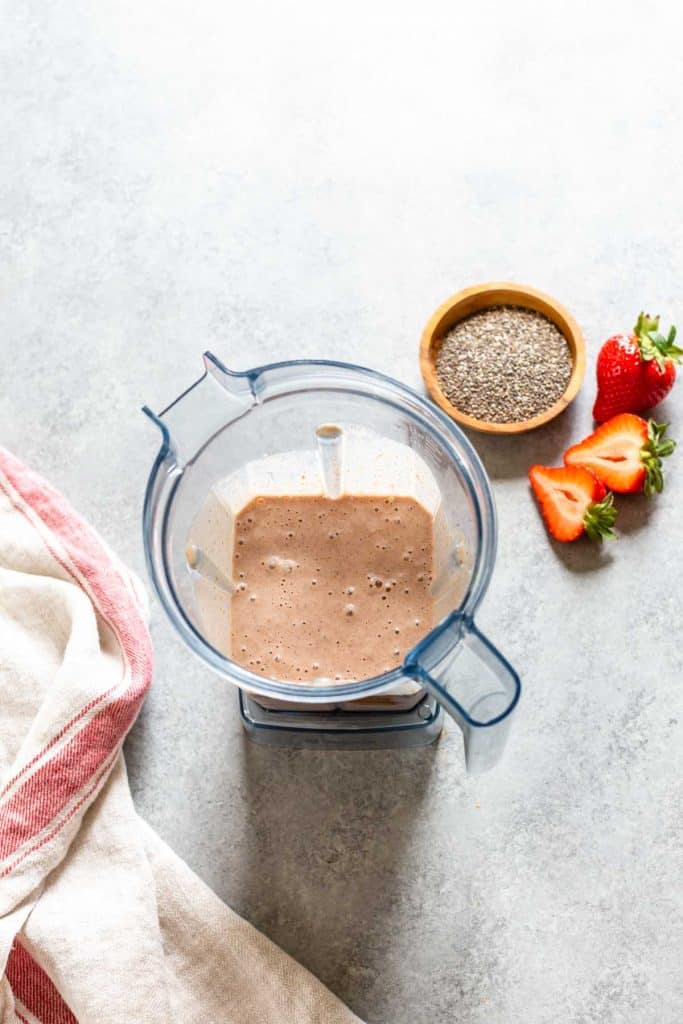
[504,364]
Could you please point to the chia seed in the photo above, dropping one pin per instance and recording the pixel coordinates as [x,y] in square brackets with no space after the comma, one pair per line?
[504,364]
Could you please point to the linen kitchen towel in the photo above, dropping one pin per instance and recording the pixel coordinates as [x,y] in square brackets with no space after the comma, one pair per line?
[100,922]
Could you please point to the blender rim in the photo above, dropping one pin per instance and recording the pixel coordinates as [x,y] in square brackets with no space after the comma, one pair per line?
[458,447]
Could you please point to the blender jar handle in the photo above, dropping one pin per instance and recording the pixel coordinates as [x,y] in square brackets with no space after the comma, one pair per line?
[473,682]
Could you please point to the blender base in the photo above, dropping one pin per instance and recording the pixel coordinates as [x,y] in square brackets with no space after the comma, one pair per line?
[342,730]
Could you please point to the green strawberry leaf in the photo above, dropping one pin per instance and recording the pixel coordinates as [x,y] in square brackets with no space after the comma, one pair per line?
[599,519]
[653,344]
[656,448]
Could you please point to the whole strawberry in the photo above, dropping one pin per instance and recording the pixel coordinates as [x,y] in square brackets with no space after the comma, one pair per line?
[635,371]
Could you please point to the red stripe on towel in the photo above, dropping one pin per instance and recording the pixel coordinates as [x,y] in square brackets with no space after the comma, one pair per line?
[74,809]
[31,807]
[33,987]
[60,779]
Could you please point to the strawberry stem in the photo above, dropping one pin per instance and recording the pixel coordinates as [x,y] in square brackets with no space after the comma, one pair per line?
[599,519]
[654,345]
[656,448]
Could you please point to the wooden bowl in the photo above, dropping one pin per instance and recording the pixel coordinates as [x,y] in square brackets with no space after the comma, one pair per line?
[483,296]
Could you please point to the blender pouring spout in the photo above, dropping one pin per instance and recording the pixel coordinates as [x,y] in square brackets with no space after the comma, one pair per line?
[188,425]
[473,683]
[212,402]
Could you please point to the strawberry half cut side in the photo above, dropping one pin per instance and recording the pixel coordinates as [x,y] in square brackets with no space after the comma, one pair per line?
[625,453]
[573,501]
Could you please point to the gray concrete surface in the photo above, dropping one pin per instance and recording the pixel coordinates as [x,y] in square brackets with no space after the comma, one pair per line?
[272,181]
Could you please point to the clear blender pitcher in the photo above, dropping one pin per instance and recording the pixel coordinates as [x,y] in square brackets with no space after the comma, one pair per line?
[318,427]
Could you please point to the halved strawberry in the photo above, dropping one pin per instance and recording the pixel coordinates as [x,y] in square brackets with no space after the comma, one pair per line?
[625,453]
[573,501]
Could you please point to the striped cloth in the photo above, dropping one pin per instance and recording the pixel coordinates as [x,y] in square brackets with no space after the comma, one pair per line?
[100,923]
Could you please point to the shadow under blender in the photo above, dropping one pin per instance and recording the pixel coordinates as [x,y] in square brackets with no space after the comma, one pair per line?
[329,838]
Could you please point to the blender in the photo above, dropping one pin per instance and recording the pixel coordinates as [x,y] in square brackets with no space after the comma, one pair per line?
[324,427]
